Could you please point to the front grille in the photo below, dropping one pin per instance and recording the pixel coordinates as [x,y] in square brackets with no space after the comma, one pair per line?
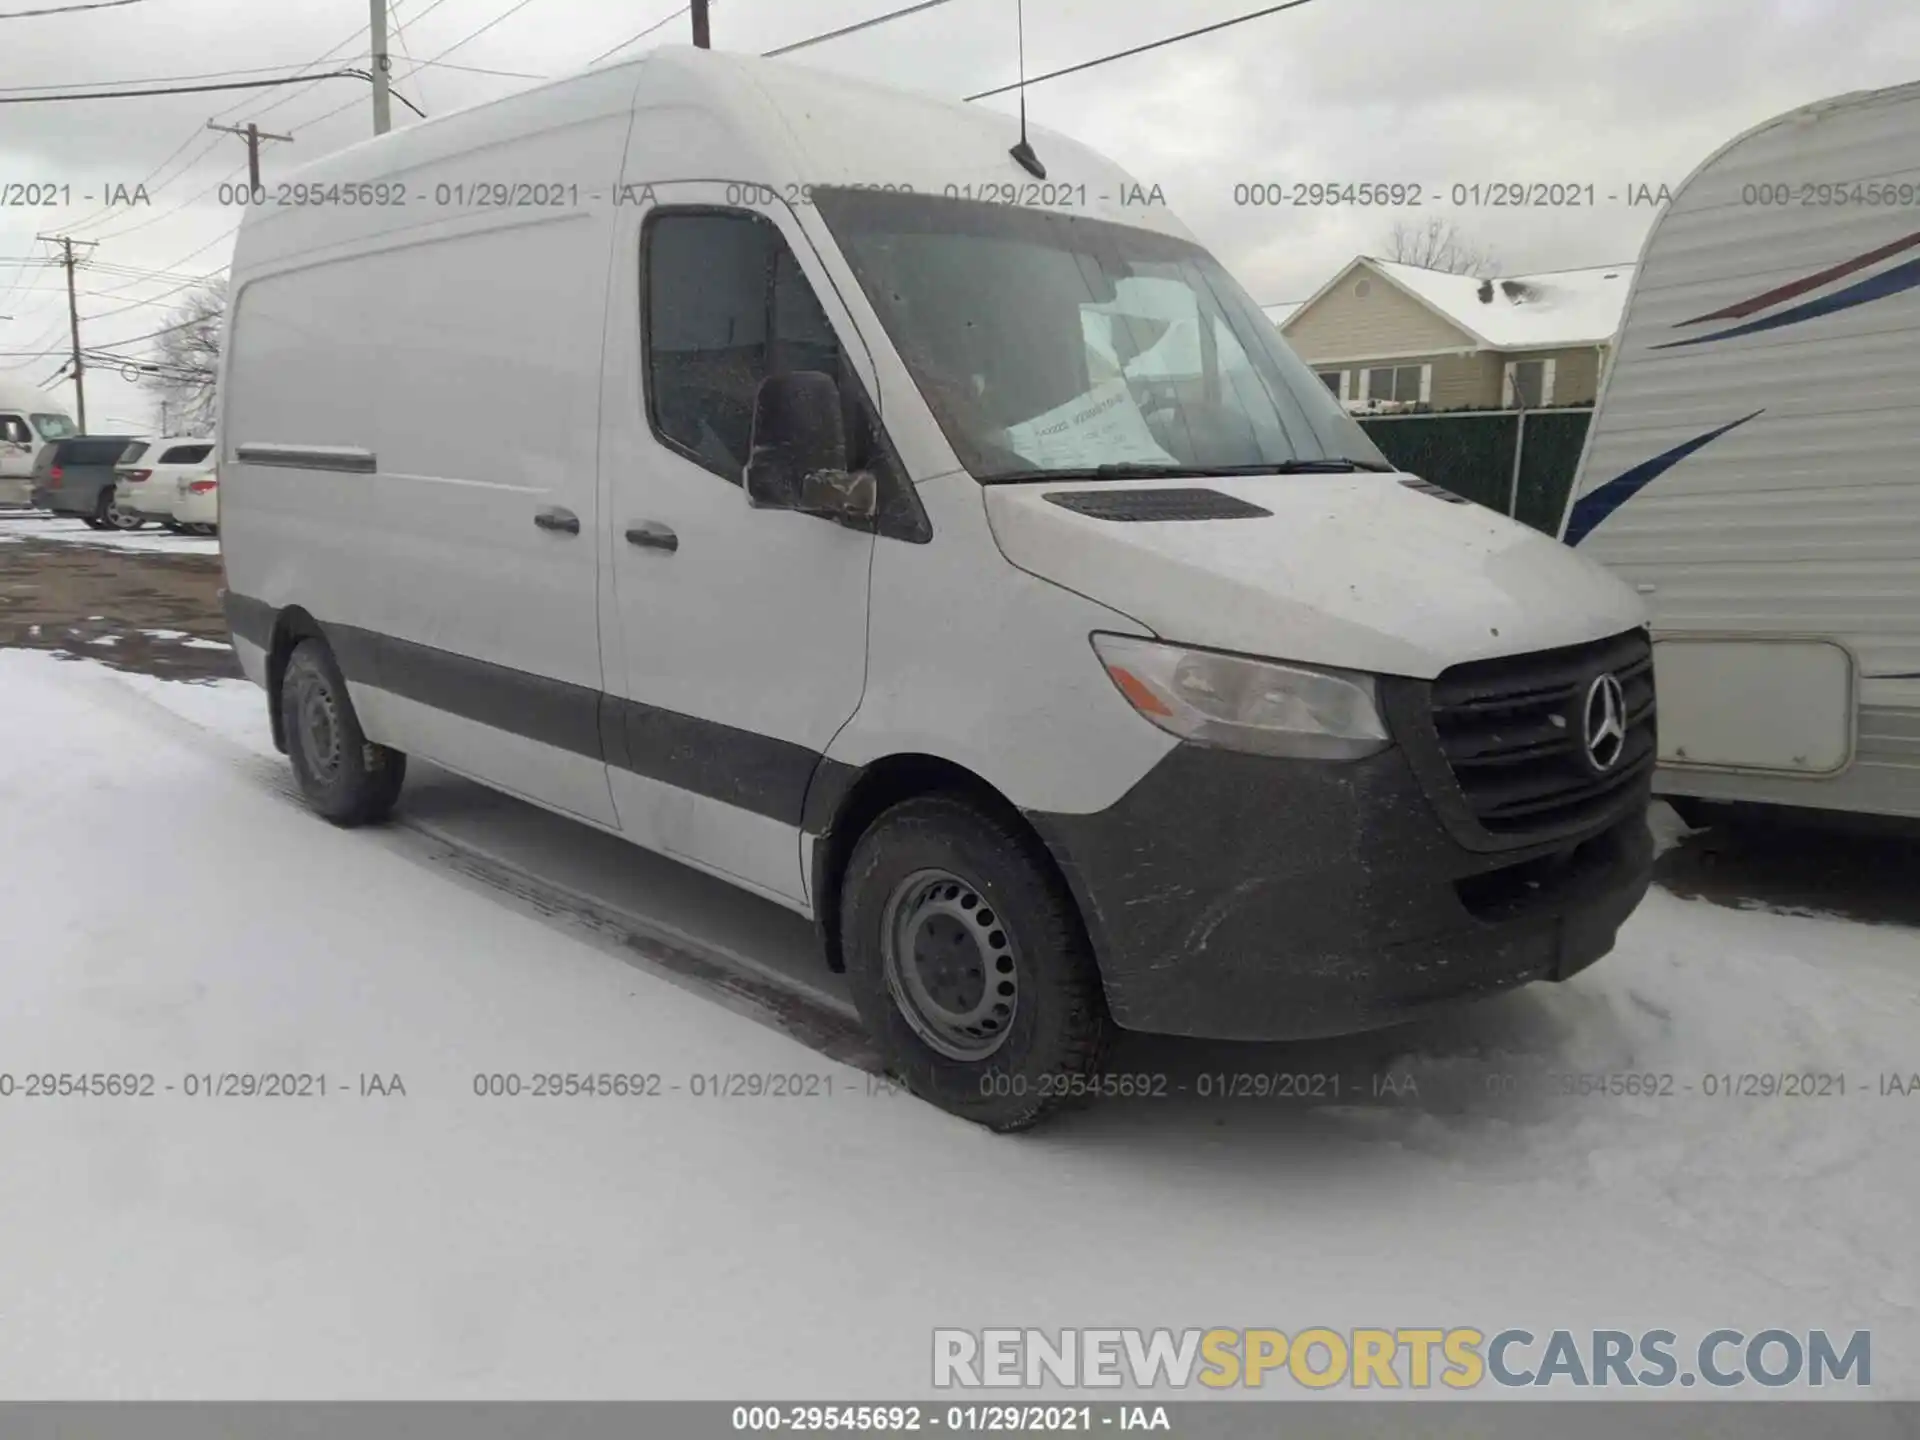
[1513,732]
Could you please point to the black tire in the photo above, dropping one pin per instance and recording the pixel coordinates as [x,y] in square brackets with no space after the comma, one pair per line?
[94,522]
[110,515]
[174,527]
[1058,1032]
[344,776]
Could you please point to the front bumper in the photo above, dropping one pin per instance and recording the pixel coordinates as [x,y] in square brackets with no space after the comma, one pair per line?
[1244,897]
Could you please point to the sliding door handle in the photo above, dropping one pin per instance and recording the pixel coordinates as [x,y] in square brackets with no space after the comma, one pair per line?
[653,536]
[554,518]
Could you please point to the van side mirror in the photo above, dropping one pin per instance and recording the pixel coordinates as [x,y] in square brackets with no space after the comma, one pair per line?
[798,454]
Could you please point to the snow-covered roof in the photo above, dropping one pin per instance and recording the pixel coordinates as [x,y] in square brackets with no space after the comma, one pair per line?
[1518,312]
[1284,311]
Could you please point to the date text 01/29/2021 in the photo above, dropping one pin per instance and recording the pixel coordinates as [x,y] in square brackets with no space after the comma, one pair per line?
[1004,1418]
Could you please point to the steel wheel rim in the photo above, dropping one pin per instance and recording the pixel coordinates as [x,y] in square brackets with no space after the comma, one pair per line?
[951,968]
[122,519]
[320,730]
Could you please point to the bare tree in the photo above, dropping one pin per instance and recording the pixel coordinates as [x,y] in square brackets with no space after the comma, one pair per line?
[186,364]
[1439,245]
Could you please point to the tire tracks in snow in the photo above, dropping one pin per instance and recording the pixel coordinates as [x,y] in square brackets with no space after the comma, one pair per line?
[732,978]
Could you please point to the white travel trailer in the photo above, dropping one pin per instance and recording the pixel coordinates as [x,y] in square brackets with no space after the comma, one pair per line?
[29,418]
[1754,464]
[714,451]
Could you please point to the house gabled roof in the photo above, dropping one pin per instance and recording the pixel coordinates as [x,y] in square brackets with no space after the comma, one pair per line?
[1284,311]
[1549,310]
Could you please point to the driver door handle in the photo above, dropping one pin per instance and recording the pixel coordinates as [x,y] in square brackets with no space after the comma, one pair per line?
[555,518]
[653,535]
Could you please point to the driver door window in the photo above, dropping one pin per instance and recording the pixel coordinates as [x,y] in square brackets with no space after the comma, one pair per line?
[726,305]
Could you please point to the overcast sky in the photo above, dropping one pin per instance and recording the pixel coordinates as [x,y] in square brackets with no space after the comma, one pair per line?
[1613,93]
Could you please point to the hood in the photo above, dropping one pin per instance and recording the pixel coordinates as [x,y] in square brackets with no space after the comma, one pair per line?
[1359,571]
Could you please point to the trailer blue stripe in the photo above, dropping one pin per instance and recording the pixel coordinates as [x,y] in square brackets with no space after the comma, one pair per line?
[1597,504]
[1888,282]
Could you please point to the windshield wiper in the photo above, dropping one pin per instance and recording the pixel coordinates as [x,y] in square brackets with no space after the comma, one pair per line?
[1130,470]
[1306,467]
[1134,470]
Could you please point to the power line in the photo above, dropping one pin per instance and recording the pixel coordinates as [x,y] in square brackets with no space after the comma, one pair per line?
[328,115]
[504,14]
[852,29]
[160,80]
[156,334]
[172,210]
[194,89]
[304,72]
[634,40]
[469,69]
[66,9]
[105,212]
[1139,49]
[172,290]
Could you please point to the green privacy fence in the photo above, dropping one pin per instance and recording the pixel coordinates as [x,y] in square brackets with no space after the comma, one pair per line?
[1474,453]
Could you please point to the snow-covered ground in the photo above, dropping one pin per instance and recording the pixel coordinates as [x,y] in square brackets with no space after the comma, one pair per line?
[166,907]
[62,529]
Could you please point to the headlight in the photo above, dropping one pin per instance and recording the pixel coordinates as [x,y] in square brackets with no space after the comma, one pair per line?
[1260,706]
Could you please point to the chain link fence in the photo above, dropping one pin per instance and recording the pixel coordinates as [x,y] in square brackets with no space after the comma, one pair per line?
[1519,463]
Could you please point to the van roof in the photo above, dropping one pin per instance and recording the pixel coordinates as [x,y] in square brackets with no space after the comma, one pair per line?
[730,117]
[29,399]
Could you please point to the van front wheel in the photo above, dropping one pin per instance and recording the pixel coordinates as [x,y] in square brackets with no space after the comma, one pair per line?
[970,966]
[343,775]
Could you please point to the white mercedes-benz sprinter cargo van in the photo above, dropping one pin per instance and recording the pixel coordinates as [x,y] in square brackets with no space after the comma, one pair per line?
[759,465]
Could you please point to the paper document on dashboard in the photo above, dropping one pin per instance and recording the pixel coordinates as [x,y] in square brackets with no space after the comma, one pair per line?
[1102,427]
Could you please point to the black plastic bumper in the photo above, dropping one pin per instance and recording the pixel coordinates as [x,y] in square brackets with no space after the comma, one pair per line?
[1245,897]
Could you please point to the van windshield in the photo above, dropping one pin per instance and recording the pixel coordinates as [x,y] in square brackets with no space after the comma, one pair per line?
[53,427]
[1049,344]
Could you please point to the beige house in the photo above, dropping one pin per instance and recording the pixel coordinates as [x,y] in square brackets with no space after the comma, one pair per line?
[1389,337]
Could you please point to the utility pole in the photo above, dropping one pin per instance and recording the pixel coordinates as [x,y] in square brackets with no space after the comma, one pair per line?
[382,111]
[66,243]
[253,135]
[700,38]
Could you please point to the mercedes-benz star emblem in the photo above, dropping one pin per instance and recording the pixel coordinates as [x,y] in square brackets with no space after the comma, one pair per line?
[1606,722]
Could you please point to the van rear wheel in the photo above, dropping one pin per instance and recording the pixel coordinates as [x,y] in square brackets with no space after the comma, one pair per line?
[342,774]
[970,966]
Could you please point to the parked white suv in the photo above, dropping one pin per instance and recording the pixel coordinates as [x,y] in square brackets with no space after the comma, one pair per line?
[196,503]
[153,475]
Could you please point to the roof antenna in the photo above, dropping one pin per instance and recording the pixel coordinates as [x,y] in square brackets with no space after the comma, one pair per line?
[1023,152]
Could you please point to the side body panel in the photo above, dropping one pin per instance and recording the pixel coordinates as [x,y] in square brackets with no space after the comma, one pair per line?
[410,453]
[1751,464]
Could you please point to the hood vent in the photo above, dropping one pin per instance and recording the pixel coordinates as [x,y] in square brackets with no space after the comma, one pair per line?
[1155,504]
[1426,487]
